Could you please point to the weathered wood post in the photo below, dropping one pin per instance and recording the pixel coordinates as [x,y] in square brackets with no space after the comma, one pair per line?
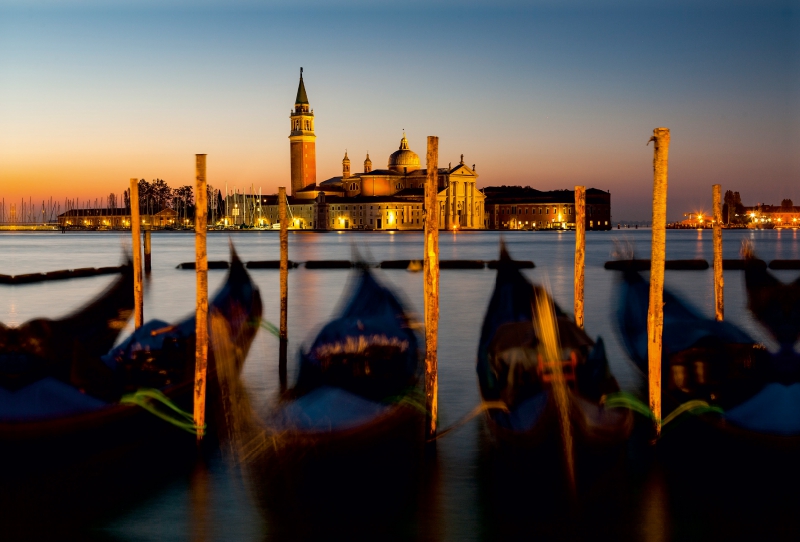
[136,224]
[201,309]
[431,288]
[655,312]
[284,286]
[719,278]
[580,251]
[147,261]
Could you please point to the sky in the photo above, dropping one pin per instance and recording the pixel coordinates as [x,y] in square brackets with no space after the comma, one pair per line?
[542,94]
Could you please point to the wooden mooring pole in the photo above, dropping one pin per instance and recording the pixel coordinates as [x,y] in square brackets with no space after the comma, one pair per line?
[655,312]
[431,288]
[201,309]
[136,225]
[147,260]
[719,278]
[580,251]
[284,286]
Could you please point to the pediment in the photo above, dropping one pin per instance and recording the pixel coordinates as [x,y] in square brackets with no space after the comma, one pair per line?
[462,170]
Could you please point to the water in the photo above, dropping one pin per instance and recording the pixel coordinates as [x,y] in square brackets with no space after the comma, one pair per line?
[313,298]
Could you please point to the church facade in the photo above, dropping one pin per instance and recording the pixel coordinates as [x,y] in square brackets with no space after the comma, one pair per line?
[375,199]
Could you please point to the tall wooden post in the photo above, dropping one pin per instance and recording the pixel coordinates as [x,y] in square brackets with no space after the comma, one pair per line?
[136,227]
[431,288]
[201,309]
[719,278]
[655,312]
[147,261]
[284,286]
[580,251]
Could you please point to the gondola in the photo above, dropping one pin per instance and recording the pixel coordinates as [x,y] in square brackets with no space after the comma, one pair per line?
[62,444]
[754,394]
[525,435]
[341,446]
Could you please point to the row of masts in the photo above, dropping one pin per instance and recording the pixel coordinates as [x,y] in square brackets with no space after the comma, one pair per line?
[48,211]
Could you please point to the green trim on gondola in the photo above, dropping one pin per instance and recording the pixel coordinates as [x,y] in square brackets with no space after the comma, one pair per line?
[148,398]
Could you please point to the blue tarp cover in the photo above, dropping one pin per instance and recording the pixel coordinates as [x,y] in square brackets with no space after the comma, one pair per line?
[373,317]
[684,326]
[775,410]
[325,409]
[525,416]
[44,399]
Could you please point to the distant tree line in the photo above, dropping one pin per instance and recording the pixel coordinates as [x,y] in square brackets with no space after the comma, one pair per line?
[157,195]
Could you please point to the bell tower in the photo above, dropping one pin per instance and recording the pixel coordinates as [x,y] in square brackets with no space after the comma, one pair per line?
[302,146]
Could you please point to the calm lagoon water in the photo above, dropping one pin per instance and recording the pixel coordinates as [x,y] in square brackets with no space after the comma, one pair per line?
[313,298]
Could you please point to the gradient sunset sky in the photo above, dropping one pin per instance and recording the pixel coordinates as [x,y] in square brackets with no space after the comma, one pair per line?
[547,94]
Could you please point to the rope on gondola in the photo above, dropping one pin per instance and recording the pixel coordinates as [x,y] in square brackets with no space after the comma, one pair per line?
[627,400]
[149,398]
[272,328]
[485,405]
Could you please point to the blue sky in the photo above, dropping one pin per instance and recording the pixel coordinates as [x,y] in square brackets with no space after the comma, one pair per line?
[549,94]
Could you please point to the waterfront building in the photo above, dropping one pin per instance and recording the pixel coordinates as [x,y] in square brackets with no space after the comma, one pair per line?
[118,218]
[518,208]
[760,216]
[773,216]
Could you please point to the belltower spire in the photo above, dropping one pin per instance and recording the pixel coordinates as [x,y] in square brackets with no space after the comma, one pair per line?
[302,98]
[302,141]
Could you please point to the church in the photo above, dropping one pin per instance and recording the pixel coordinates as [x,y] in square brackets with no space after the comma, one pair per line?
[374,199]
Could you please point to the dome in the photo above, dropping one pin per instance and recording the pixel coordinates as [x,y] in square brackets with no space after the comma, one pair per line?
[403,159]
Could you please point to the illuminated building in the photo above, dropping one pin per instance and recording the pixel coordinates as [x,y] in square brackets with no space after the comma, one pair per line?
[518,208]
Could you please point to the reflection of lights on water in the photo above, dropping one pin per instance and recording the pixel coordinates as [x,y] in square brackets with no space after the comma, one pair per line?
[12,315]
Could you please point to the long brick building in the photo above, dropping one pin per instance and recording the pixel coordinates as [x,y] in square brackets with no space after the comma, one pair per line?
[518,208]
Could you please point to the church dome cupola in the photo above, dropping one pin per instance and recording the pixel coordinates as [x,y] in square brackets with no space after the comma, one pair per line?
[367,164]
[403,160]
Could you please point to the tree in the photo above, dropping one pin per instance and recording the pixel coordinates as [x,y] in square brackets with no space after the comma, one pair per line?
[787,205]
[727,207]
[112,201]
[160,194]
[184,195]
[126,196]
[144,195]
